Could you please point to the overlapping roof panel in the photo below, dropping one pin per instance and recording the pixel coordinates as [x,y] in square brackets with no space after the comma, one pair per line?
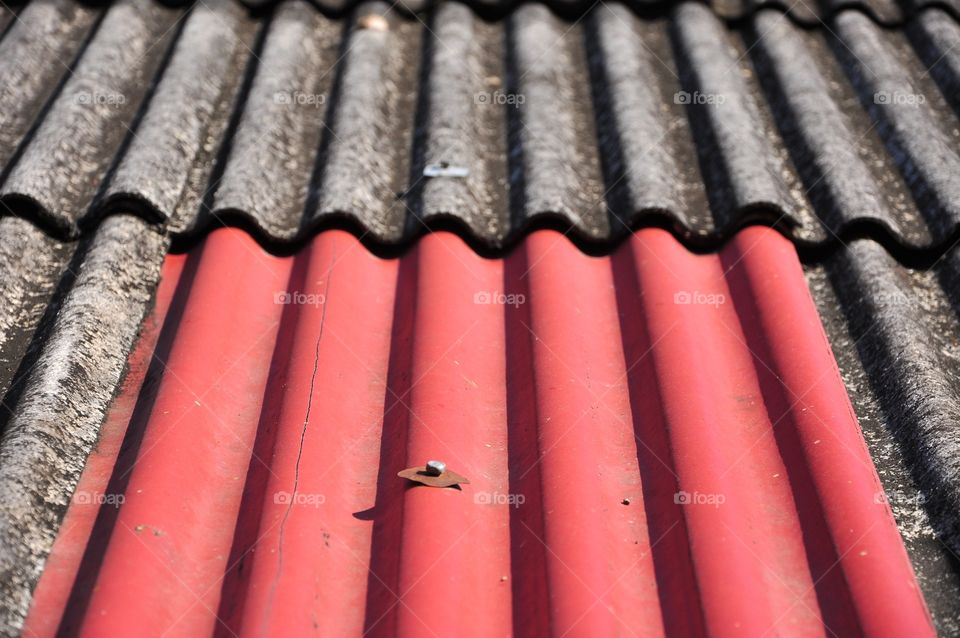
[648,437]
[297,121]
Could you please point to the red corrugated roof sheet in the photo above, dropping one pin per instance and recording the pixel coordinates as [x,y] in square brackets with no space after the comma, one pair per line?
[656,442]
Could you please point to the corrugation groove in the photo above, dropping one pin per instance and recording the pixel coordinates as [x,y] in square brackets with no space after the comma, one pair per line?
[205,418]
[657,442]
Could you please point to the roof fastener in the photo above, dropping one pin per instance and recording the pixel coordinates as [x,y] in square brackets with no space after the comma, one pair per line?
[433,474]
[436,468]
[445,169]
[373,22]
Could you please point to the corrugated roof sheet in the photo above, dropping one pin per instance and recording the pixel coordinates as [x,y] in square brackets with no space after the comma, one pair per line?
[671,429]
[885,12]
[296,122]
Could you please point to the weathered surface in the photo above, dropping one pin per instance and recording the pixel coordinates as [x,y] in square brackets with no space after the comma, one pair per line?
[55,423]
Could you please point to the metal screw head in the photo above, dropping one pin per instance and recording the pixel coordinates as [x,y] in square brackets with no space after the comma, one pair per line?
[373,22]
[436,468]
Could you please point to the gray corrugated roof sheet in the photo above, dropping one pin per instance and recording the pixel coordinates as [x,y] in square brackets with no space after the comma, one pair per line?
[69,317]
[895,332]
[297,121]
[804,12]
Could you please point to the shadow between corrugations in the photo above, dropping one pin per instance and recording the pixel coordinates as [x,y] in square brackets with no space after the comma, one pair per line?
[917,256]
[911,256]
[99,538]
[673,566]
[829,583]
[383,576]
[31,344]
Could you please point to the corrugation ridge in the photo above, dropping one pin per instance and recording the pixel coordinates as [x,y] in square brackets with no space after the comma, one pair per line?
[648,154]
[57,419]
[840,159]
[366,165]
[70,569]
[460,124]
[556,142]
[739,152]
[862,558]
[179,137]
[888,13]
[601,576]
[388,511]
[912,119]
[91,114]
[272,155]
[914,379]
[457,406]
[46,28]
[722,448]
[676,578]
[936,38]
[36,270]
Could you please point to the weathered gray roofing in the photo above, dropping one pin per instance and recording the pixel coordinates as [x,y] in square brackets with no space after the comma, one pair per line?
[69,318]
[895,332]
[297,121]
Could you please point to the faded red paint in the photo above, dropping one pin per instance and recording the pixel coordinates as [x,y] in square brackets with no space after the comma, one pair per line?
[657,442]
